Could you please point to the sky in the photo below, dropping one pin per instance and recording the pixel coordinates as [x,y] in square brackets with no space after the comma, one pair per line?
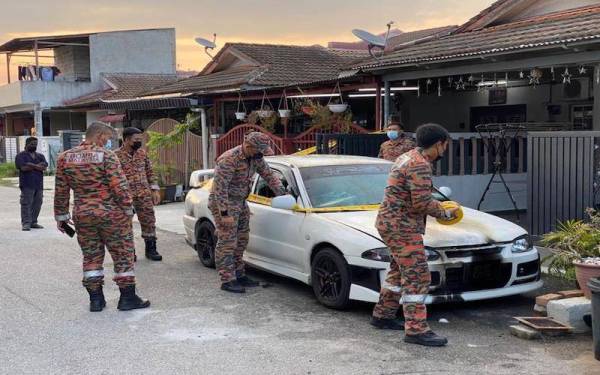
[300,22]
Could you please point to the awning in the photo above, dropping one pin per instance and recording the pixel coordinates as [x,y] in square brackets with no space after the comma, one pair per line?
[112,118]
[148,104]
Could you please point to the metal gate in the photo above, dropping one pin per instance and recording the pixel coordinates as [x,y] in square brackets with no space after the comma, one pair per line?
[561,178]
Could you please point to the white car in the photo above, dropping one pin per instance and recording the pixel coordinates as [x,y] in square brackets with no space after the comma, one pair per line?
[323,234]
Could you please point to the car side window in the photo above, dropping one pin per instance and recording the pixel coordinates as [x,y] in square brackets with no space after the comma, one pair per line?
[262,188]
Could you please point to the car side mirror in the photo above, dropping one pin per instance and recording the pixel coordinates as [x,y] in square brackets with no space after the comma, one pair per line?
[284,202]
[446,191]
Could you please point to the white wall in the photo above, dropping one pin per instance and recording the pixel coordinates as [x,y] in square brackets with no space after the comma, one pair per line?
[10,94]
[467,190]
[453,108]
[54,93]
[146,51]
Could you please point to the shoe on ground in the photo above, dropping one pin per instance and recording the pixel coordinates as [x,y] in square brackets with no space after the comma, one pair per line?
[233,287]
[428,338]
[151,252]
[26,228]
[130,301]
[97,301]
[36,226]
[247,282]
[395,324]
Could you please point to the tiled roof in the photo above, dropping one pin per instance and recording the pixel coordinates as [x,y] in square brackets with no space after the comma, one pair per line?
[488,14]
[123,86]
[278,65]
[559,28]
[223,79]
[418,35]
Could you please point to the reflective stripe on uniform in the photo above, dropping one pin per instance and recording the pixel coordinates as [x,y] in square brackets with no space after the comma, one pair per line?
[125,274]
[413,298]
[64,217]
[147,234]
[393,288]
[93,273]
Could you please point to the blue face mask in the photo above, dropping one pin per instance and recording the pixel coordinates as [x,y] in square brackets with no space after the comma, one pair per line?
[108,144]
[392,134]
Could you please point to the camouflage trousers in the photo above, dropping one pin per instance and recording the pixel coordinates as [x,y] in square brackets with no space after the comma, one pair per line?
[144,209]
[408,278]
[111,230]
[232,241]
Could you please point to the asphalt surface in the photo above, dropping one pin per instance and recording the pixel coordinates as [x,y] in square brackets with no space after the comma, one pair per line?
[194,328]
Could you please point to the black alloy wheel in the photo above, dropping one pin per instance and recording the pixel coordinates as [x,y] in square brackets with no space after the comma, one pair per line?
[330,277]
[206,242]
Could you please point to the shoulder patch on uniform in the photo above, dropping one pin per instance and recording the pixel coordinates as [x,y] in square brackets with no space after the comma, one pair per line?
[84,157]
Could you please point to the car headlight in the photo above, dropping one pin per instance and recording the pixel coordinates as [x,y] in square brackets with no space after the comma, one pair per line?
[521,244]
[383,255]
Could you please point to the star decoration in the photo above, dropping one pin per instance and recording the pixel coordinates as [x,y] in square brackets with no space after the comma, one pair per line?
[566,76]
[460,85]
[403,83]
[521,74]
[552,72]
[582,70]
[450,80]
[471,79]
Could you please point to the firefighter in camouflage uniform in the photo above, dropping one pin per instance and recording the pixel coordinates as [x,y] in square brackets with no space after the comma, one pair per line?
[143,186]
[234,173]
[101,213]
[398,143]
[401,223]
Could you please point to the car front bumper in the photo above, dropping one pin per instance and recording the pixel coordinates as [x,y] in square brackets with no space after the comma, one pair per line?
[457,278]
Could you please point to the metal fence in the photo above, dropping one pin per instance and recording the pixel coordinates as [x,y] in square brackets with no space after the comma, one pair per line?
[563,178]
[466,154]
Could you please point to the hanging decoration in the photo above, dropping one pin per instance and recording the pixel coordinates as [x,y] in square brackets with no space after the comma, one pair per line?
[239,115]
[265,111]
[404,83]
[552,73]
[582,70]
[284,111]
[460,84]
[450,80]
[439,87]
[495,84]
[534,76]
[337,107]
[481,85]
[566,76]
[521,74]
[427,84]
[471,79]
[418,88]
[506,79]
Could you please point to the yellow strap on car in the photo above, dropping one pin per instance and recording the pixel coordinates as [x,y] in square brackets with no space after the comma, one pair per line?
[267,201]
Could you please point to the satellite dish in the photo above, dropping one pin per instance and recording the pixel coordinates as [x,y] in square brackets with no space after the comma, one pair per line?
[374,41]
[207,44]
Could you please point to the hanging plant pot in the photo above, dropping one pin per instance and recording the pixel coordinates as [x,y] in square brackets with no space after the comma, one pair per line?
[240,115]
[337,108]
[264,113]
[284,113]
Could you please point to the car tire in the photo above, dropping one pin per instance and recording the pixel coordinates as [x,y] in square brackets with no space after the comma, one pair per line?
[206,242]
[330,276]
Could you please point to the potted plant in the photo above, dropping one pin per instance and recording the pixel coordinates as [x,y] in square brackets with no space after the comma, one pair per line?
[336,104]
[284,111]
[575,245]
[239,115]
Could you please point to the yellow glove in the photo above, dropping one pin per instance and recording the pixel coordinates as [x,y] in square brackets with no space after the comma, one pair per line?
[458,214]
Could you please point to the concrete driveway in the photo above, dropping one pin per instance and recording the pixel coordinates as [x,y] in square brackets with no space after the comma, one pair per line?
[194,328]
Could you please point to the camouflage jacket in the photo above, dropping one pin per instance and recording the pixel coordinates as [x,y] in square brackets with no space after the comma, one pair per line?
[408,197]
[233,179]
[138,170]
[95,176]
[390,150]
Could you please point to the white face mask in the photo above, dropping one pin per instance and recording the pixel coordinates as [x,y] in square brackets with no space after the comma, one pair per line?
[108,144]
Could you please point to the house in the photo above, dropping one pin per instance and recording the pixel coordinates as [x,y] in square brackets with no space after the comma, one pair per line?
[65,67]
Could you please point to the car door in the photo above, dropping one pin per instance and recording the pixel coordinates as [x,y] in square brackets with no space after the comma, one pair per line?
[275,234]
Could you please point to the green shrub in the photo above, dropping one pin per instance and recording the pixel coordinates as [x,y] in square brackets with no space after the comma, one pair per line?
[8,170]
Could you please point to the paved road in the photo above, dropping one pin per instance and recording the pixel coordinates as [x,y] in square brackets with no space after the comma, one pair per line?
[194,328]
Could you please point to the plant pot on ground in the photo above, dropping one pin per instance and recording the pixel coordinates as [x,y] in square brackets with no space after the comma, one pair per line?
[574,245]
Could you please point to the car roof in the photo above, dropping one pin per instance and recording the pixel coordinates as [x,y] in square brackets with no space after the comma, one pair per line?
[323,160]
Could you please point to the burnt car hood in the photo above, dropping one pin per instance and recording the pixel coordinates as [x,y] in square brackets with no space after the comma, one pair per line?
[476,228]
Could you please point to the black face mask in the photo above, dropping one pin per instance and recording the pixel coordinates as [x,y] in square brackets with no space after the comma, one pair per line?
[31,148]
[136,145]
[257,156]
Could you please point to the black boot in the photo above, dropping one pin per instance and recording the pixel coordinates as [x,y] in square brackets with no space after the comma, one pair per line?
[97,301]
[151,252]
[247,282]
[130,301]
[395,324]
[428,338]
[233,287]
